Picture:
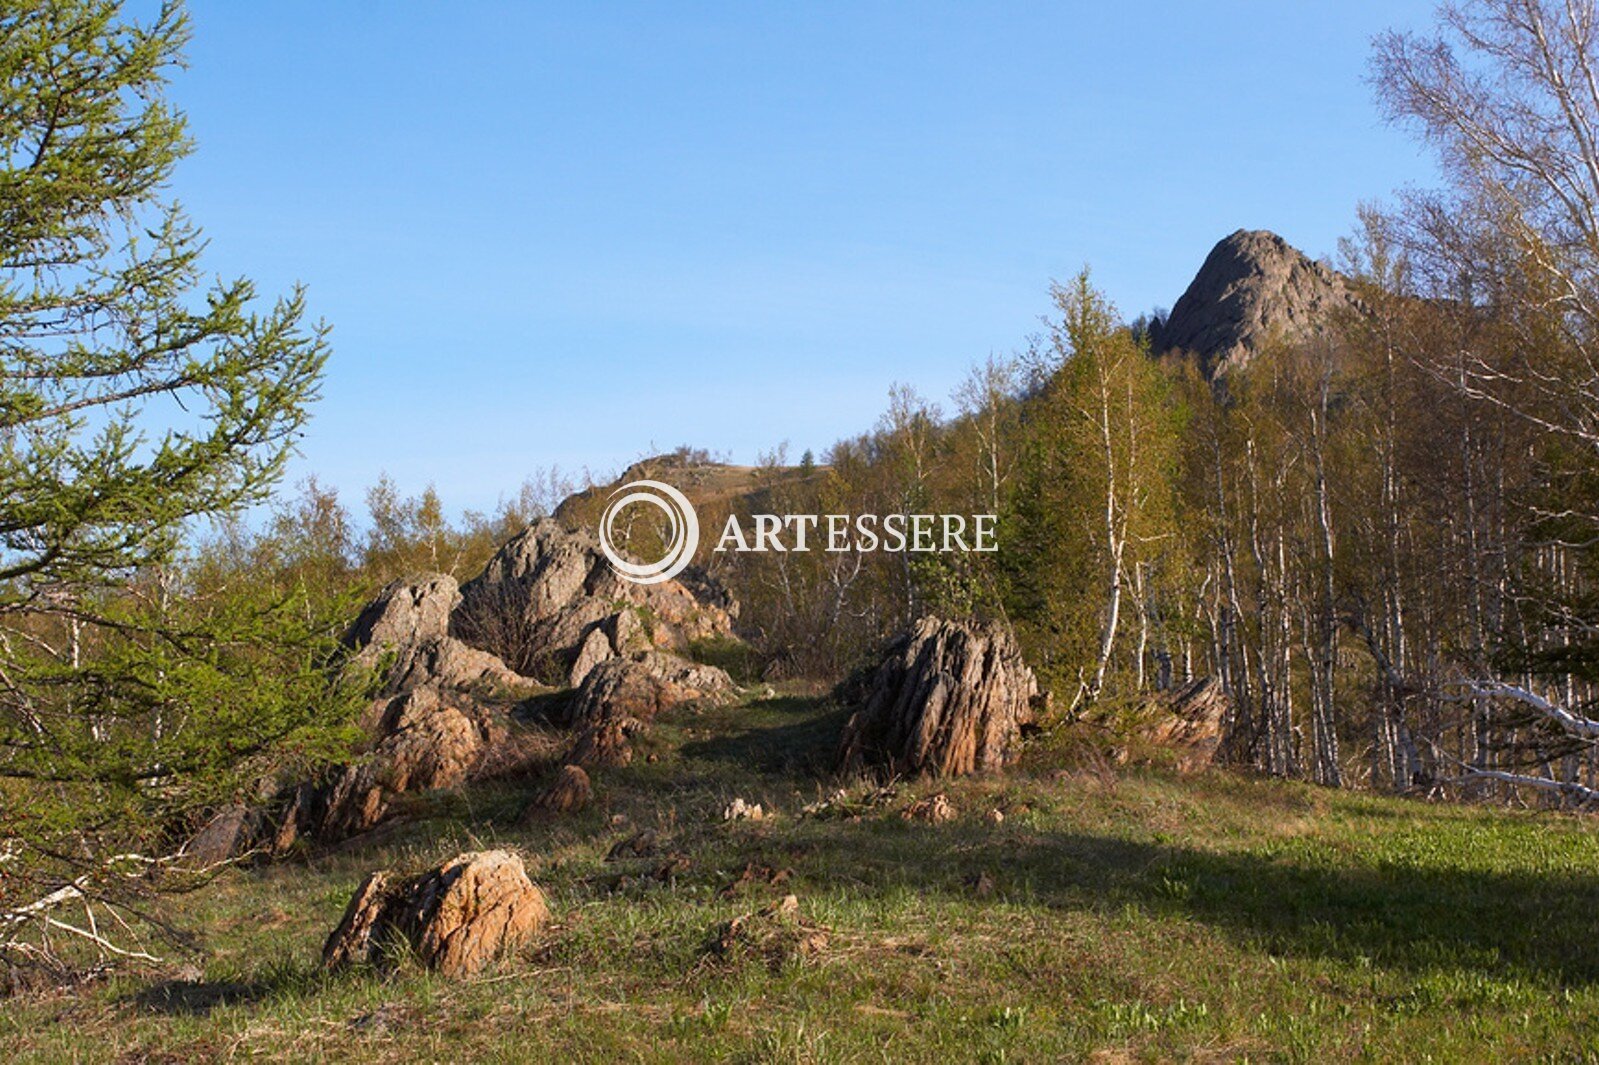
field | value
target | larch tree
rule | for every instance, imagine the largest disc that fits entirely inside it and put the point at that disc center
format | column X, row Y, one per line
column 135, row 401
column 1092, row 534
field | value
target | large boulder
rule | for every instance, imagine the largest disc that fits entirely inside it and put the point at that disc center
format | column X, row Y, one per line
column 425, row 738
column 450, row 663
column 569, row 792
column 405, row 631
column 456, row 918
column 1191, row 720
column 405, row 615
column 618, row 635
column 949, row 698
column 545, row 592
column 620, row 697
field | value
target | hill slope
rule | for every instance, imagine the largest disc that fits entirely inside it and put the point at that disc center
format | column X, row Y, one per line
column 1128, row 913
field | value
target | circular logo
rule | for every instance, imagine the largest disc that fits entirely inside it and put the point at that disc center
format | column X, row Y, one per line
column 682, row 522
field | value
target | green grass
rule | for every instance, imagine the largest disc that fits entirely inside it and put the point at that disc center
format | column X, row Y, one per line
column 1134, row 915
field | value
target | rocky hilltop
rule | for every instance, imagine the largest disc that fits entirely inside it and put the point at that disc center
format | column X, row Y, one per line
column 1254, row 288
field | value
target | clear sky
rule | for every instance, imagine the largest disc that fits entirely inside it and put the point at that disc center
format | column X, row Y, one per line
column 572, row 234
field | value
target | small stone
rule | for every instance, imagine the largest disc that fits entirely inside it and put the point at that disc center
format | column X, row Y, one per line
column 787, row 906
column 935, row 810
column 570, row 792
column 641, row 845
column 739, row 810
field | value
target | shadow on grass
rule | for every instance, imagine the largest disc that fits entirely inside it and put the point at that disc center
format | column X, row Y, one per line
column 1406, row 915
column 787, row 735
column 197, row 999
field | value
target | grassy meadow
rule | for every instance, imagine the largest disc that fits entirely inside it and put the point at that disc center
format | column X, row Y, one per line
column 1111, row 913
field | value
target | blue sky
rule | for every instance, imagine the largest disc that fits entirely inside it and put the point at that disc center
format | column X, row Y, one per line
column 571, row 234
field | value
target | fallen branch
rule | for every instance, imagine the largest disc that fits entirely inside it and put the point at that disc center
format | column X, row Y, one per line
column 1470, row 773
column 16, row 922
column 1575, row 724
column 100, row 941
column 1583, row 795
column 60, row 896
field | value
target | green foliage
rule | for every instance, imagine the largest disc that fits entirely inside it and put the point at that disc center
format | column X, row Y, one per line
column 407, row 535
column 134, row 400
column 1092, row 528
column 738, row 658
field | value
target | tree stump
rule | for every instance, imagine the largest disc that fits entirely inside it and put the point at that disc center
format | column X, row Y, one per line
column 949, row 698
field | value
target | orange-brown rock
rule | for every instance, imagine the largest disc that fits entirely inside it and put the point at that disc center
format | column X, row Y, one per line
column 570, row 792
column 426, row 739
column 456, row 918
column 1192, row 719
column 934, row 810
column 620, row 697
column 949, row 698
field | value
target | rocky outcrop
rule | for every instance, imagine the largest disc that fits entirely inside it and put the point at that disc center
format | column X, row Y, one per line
column 1253, row 289
column 949, row 698
column 427, row 738
column 621, row 696
column 405, row 615
column 645, row 685
column 548, row 598
column 1191, row 719
column 545, row 594
column 455, row 918
column 618, row 635
column 405, row 632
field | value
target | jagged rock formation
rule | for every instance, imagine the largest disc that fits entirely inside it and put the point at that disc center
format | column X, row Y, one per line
column 442, row 707
column 456, row 918
column 949, row 698
column 546, row 593
column 405, row 632
column 1191, row 719
column 443, row 716
column 621, row 696
column 1253, row 288
column 427, row 738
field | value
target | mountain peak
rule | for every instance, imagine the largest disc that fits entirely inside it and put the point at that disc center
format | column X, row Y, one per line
column 1254, row 287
